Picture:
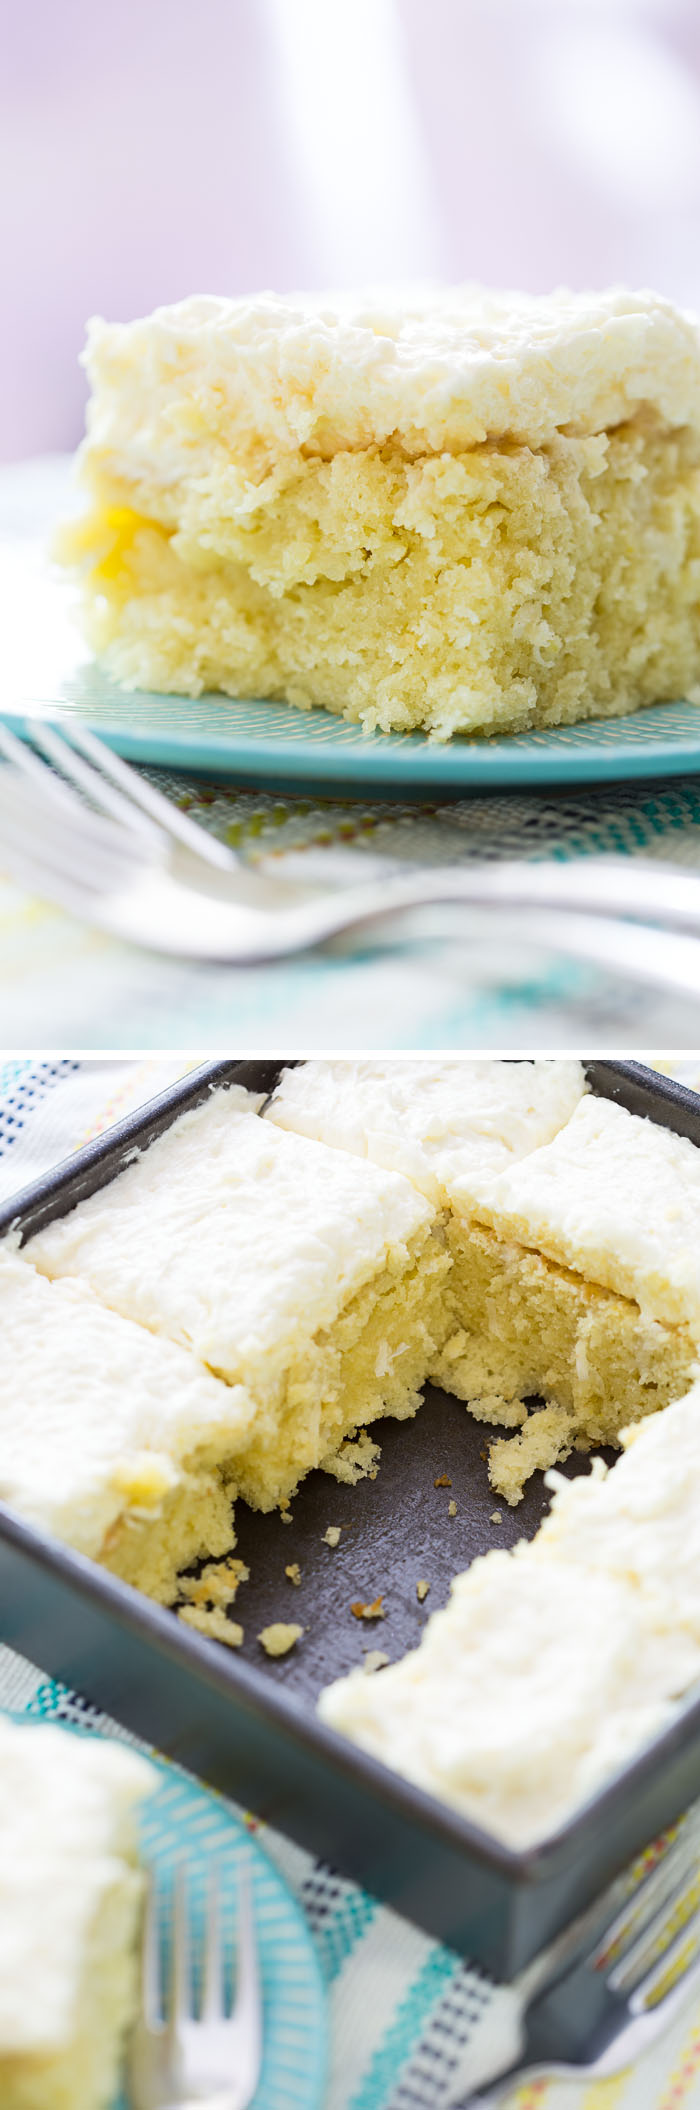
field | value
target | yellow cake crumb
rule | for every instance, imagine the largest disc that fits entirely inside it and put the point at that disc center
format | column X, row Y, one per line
column 331, row 1536
column 279, row 1638
column 293, row 1573
column 355, row 1460
column 216, row 1584
column 213, row 1623
column 368, row 1611
column 422, row 1589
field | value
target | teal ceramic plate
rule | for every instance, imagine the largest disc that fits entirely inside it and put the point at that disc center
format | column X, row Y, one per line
column 45, row 670
column 183, row 1821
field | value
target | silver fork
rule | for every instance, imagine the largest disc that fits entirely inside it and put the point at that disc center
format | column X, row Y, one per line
column 604, row 2010
column 109, row 848
column 212, row 2060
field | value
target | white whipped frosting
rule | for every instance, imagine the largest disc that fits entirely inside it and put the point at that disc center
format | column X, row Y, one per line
column 263, row 377
column 639, row 1521
column 618, row 1199
column 235, row 1239
column 96, row 1416
column 446, row 1125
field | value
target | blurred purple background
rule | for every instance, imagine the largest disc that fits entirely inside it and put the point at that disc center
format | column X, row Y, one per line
column 162, row 147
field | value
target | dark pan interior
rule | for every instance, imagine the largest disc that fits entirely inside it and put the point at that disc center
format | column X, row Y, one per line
column 394, row 1530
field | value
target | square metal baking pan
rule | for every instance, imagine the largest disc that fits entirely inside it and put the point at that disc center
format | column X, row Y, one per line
column 248, row 1725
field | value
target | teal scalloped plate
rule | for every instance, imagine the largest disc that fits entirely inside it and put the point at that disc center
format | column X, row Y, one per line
column 184, row 1821
column 46, row 672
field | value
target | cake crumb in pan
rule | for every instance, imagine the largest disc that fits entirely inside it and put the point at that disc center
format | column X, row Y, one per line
column 213, row 1623
column 279, row 1638
column 368, row 1611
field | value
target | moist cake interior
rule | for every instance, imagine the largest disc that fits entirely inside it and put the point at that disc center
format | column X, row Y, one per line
column 487, row 590
column 528, row 1330
column 373, row 1361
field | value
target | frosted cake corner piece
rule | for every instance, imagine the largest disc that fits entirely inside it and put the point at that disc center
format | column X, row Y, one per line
column 616, row 1197
column 417, row 512
column 577, row 1282
column 447, row 1126
column 125, row 1445
column 588, row 1669
column 70, row 1902
column 293, row 1271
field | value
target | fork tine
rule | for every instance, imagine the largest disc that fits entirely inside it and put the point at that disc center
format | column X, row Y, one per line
column 624, row 1931
column 89, row 780
column 685, row 1945
column 24, row 759
column 247, row 2008
column 54, row 803
column 180, row 1973
column 151, row 1978
column 213, row 1984
column 632, row 1966
column 152, row 801
column 36, row 878
column 91, row 856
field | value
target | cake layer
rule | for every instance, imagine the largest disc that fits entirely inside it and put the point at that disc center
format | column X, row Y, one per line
column 118, row 1442
column 482, row 592
column 292, row 1270
column 618, row 1199
column 446, row 1125
column 527, row 1329
column 70, row 1893
column 470, row 512
column 528, row 1690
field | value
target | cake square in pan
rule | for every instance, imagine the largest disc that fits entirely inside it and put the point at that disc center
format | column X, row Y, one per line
column 293, row 1271
column 123, row 1445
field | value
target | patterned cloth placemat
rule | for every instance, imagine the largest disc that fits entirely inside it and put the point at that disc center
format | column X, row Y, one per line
column 413, row 2026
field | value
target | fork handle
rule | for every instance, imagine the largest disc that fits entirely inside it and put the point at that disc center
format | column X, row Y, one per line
column 602, row 886
column 662, row 959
